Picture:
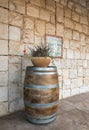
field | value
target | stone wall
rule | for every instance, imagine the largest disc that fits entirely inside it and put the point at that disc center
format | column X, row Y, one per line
column 24, row 23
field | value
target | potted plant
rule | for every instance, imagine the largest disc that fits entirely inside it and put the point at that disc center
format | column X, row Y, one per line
column 40, row 55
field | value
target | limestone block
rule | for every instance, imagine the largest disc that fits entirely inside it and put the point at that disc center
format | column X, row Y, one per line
column 73, row 63
column 68, row 33
column 73, row 73
column 33, row 11
column 70, row 4
column 87, row 4
column 3, row 108
column 29, row 23
column 78, row 8
column 83, row 20
column 3, row 78
column 14, row 107
column 80, row 81
column 65, row 74
column 66, row 43
column 59, row 29
column 86, row 72
column 66, row 93
column 84, row 12
column 77, row 27
column 38, row 40
column 3, row 94
column 87, row 40
column 3, row 15
column 3, row 31
column 15, row 48
column 70, row 54
column 67, row 13
column 67, row 84
column 4, row 3
column 76, row 35
column 74, row 44
column 83, row 3
column 52, row 17
column 87, row 48
column 74, row 84
column 68, row 23
column 39, row 27
column 79, row 63
column 82, row 39
column 50, row 29
column 80, row 72
column 45, row 15
column 75, row 91
column 87, row 56
column 66, row 63
column 14, row 91
column 86, row 81
column 64, row 2
column 15, row 73
column 77, row 54
column 14, row 59
column 14, row 33
column 64, row 53
column 3, row 63
column 75, row 16
column 59, row 14
column 28, row 36
column 84, row 89
column 17, row 5
column 85, row 29
column 3, row 47
column 26, row 62
column 50, row 5
column 85, row 64
column 15, row 19
column 40, row 3
column 83, row 53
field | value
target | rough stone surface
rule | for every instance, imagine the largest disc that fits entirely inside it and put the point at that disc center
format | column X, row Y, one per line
column 3, row 15
column 44, row 15
column 15, row 73
column 3, row 94
column 33, row 11
column 3, row 47
column 14, row 33
column 4, row 3
column 39, row 27
column 3, row 30
column 15, row 19
column 17, row 5
column 50, row 29
column 3, row 78
column 4, row 63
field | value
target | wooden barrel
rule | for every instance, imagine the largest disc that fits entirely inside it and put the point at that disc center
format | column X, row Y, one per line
column 41, row 94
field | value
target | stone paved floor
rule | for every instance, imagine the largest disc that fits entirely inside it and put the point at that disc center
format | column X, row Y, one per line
column 73, row 114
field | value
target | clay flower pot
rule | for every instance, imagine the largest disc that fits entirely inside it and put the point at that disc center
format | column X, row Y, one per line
column 41, row 61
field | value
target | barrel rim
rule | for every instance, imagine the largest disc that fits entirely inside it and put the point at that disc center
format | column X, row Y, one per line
column 36, row 105
column 41, row 86
column 48, row 68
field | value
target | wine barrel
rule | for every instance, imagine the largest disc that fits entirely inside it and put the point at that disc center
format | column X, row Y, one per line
column 41, row 94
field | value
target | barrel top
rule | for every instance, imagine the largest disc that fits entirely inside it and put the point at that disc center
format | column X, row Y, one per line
column 49, row 68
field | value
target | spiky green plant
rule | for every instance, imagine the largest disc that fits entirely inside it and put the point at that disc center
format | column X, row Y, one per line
column 40, row 51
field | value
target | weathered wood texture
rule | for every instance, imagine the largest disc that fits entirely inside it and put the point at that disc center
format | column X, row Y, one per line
column 41, row 95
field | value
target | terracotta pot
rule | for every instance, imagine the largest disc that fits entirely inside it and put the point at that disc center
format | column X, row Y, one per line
column 41, row 61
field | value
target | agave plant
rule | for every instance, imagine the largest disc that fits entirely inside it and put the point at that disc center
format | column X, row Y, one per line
column 40, row 51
